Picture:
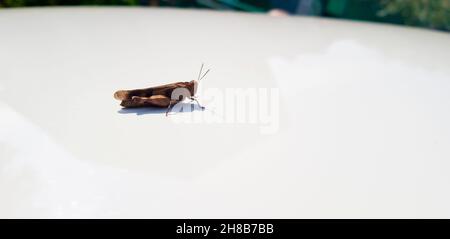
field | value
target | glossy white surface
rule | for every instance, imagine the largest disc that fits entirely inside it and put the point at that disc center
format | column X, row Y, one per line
column 363, row 122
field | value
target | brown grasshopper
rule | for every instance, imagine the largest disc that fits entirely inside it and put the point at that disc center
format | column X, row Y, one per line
column 164, row 96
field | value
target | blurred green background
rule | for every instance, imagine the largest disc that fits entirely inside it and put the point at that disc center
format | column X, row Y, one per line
column 433, row 14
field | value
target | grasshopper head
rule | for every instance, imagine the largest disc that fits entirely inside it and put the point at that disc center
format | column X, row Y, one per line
column 193, row 87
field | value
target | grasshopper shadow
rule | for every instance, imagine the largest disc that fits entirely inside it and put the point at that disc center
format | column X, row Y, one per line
column 184, row 108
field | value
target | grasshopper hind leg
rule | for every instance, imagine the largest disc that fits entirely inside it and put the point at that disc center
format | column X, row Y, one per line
column 169, row 108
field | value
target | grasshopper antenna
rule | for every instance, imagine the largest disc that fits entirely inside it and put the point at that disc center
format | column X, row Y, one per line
column 200, row 73
column 204, row 75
